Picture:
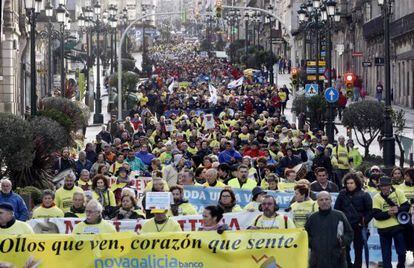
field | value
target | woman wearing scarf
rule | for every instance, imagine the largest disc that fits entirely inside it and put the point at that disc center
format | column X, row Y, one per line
column 103, row 194
column 123, row 180
column 128, row 209
column 227, row 201
column 48, row 209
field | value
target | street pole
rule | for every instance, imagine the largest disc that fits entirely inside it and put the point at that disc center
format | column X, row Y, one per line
column 112, row 51
column 121, row 41
column 330, row 124
column 98, row 116
column 62, row 60
column 388, row 140
column 49, row 52
column 33, row 94
column 317, row 49
column 88, row 66
column 271, row 80
column 246, row 38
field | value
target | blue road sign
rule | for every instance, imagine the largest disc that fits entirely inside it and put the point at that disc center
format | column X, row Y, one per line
column 331, row 95
column 311, row 90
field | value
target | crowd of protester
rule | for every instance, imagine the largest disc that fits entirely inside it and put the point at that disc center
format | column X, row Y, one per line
column 251, row 145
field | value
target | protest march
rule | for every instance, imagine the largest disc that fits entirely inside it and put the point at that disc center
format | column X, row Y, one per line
column 206, row 171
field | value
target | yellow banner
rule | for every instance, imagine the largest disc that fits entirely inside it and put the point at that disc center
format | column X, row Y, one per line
column 252, row 248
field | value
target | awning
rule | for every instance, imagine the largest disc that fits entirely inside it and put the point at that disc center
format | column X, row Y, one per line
column 409, row 55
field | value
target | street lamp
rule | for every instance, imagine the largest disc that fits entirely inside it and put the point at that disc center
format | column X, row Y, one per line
column 321, row 16
column 246, row 34
column 271, row 73
column 388, row 140
column 61, row 18
column 49, row 14
column 98, row 116
column 33, row 8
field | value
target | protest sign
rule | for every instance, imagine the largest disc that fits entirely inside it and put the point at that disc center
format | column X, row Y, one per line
column 258, row 248
column 158, row 200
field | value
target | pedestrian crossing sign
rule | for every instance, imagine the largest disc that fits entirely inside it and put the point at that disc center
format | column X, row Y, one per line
column 311, row 90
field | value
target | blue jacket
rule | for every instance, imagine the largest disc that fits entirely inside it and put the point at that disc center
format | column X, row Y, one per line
column 225, row 156
column 20, row 210
column 145, row 157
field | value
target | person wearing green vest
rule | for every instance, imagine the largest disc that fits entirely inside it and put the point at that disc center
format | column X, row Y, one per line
column 341, row 160
column 354, row 154
column 386, row 206
column 242, row 181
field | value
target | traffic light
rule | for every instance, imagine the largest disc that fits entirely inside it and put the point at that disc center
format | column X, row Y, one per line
column 349, row 84
column 295, row 73
column 219, row 8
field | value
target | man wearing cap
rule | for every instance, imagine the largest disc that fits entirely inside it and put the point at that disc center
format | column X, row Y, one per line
column 257, row 198
column 386, row 206
column 161, row 223
column 7, row 195
column 9, row 225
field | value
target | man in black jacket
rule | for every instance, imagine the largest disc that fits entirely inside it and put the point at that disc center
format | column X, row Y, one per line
column 357, row 207
column 329, row 234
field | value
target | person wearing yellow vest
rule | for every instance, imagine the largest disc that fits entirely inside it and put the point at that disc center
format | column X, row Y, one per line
column 257, row 198
column 242, row 181
column 270, row 219
column 385, row 209
column 341, row 159
column 303, row 206
column 47, row 209
column 64, row 195
column 407, row 187
column 180, row 205
column 94, row 224
column 161, row 223
column 354, row 154
column 77, row 210
column 8, row 223
column 211, row 179
column 102, row 191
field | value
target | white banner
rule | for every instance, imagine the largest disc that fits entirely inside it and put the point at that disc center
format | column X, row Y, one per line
column 236, row 221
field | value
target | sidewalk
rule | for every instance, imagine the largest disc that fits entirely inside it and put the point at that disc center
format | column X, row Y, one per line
column 374, row 148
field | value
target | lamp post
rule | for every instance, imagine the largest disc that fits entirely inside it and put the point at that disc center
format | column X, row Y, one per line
column 388, row 140
column 61, row 18
column 271, row 73
column 246, row 34
column 49, row 14
column 328, row 15
column 113, row 24
column 321, row 16
column 98, row 116
column 33, row 8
